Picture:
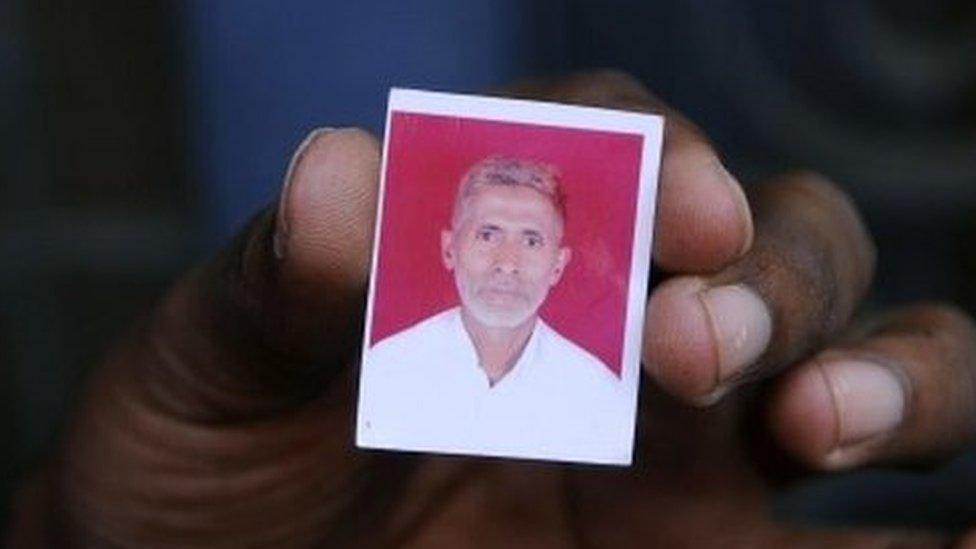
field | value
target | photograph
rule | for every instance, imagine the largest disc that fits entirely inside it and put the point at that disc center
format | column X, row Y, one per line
column 509, row 278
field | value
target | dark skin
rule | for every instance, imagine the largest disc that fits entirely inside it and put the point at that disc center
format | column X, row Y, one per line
column 225, row 420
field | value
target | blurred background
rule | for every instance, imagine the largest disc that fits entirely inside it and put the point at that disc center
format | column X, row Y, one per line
column 137, row 136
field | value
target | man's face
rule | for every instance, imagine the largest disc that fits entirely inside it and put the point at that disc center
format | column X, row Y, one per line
column 505, row 251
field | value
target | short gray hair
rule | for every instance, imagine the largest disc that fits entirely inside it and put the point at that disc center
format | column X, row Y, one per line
column 497, row 170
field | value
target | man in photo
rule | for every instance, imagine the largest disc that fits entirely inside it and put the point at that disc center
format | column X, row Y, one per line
column 490, row 373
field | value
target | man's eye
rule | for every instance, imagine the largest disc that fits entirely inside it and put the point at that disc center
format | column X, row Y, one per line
column 484, row 235
column 533, row 241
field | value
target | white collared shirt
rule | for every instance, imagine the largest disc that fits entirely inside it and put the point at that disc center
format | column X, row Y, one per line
column 423, row 389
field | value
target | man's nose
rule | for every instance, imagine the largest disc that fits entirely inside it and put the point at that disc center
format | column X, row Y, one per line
column 506, row 258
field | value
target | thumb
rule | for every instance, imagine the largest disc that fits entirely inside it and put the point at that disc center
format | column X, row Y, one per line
column 203, row 425
column 266, row 323
column 324, row 222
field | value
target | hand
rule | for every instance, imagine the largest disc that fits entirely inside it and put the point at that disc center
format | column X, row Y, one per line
column 225, row 420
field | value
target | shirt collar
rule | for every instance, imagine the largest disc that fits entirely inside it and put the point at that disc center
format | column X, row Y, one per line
column 523, row 365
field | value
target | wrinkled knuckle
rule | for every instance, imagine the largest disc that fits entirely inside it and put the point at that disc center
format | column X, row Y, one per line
column 807, row 263
column 836, row 216
column 609, row 88
column 806, row 288
column 820, row 191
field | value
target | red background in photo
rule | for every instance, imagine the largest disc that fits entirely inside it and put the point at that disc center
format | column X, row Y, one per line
column 600, row 171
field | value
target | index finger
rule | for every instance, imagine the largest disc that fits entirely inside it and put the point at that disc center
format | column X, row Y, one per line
column 703, row 218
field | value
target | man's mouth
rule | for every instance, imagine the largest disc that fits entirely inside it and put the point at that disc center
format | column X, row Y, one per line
column 502, row 294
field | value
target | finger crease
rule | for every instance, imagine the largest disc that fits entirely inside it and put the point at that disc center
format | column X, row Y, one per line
column 834, row 403
column 716, row 348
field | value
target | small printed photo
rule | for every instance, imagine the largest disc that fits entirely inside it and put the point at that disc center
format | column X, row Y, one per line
column 509, row 279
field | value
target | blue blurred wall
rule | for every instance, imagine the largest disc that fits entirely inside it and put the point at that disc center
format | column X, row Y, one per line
column 260, row 75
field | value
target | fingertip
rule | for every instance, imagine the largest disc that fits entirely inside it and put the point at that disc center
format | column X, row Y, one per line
column 838, row 412
column 704, row 219
column 328, row 205
column 679, row 350
column 802, row 415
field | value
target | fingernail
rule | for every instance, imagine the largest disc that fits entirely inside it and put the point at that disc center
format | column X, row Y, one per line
column 281, row 222
column 711, row 398
column 741, row 327
column 869, row 400
column 739, row 196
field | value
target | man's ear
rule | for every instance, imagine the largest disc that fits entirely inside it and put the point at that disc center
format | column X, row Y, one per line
column 562, row 259
column 447, row 249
